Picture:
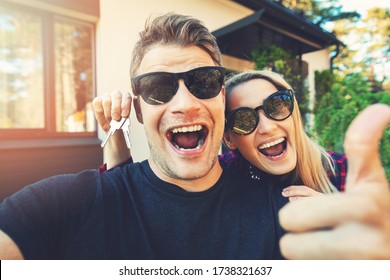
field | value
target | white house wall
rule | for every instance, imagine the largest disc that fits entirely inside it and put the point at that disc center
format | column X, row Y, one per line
column 317, row 61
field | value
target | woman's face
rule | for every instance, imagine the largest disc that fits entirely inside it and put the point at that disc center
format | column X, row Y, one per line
column 271, row 146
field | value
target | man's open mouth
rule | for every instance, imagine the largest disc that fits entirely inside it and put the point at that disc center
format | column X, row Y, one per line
column 274, row 148
column 188, row 137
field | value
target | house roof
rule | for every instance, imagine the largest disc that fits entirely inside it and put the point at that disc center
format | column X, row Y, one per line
column 273, row 23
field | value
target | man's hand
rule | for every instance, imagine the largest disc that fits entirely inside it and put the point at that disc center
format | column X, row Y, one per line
column 350, row 225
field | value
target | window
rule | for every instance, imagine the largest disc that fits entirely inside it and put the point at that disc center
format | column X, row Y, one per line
column 74, row 76
column 46, row 74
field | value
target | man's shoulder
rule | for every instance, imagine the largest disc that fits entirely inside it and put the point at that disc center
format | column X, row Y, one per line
column 63, row 185
column 84, row 176
column 130, row 170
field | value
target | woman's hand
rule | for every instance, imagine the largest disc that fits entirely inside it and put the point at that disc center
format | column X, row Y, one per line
column 107, row 107
column 113, row 106
column 299, row 192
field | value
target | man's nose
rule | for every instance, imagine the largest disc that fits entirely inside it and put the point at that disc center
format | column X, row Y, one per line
column 184, row 100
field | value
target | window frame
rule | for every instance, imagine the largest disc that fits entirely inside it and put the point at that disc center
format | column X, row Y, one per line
column 49, row 83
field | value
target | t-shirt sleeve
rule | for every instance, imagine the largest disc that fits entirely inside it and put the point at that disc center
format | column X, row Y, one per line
column 44, row 217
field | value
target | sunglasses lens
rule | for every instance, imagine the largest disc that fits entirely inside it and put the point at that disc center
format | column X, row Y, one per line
column 204, row 83
column 279, row 106
column 157, row 88
column 160, row 87
column 243, row 121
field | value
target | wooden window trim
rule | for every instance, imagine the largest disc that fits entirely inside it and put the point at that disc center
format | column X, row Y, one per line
column 87, row 10
column 28, row 144
column 48, row 19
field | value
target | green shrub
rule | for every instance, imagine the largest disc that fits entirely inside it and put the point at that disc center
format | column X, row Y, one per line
column 287, row 65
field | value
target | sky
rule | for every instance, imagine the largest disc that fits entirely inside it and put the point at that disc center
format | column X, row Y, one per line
column 362, row 6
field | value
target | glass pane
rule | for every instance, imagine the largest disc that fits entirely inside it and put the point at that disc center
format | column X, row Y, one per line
column 74, row 76
column 21, row 70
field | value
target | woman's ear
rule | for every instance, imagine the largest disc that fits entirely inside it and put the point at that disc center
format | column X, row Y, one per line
column 137, row 108
column 228, row 141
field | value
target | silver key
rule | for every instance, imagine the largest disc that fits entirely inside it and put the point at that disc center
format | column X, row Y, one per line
column 126, row 132
column 114, row 125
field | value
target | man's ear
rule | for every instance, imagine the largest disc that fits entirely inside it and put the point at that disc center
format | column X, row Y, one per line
column 227, row 141
column 137, row 107
column 223, row 92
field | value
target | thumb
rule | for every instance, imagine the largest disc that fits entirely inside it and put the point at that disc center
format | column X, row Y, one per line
column 362, row 146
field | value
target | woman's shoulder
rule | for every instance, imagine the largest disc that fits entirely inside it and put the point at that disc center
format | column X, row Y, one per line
column 340, row 166
column 231, row 160
column 338, row 158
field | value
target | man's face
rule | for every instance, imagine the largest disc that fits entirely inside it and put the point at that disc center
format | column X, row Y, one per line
column 184, row 134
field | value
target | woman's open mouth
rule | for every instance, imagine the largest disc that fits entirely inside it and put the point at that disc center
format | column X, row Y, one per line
column 275, row 148
column 188, row 137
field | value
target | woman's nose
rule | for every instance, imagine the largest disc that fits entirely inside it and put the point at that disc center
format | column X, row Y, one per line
column 265, row 125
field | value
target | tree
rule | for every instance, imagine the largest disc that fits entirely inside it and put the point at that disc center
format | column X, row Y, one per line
column 320, row 11
column 368, row 47
column 377, row 32
column 323, row 82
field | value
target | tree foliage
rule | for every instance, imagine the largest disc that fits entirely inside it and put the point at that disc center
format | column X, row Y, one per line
column 340, row 105
column 367, row 39
column 367, row 49
column 320, row 11
column 323, row 81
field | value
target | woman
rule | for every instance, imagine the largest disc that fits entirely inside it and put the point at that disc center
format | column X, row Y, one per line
column 264, row 132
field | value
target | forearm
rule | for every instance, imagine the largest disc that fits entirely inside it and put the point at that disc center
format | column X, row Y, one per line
column 8, row 249
column 116, row 152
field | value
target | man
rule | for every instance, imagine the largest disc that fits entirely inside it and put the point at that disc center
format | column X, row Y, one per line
column 179, row 204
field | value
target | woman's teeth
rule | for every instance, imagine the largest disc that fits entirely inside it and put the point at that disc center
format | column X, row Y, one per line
column 274, row 149
column 270, row 144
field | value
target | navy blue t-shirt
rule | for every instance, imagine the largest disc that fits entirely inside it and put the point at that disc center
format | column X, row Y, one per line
column 129, row 213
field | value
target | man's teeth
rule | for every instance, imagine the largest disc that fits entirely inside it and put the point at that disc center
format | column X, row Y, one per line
column 187, row 129
column 270, row 144
column 200, row 143
column 184, row 129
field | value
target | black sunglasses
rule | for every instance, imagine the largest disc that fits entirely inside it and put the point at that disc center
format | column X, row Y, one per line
column 160, row 87
column 278, row 106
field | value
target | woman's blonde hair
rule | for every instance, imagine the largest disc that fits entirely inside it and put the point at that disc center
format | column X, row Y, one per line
column 313, row 162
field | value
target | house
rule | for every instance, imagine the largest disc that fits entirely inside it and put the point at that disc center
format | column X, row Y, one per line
column 56, row 55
